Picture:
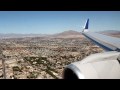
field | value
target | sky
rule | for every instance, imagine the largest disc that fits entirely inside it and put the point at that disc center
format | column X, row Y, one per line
column 51, row 22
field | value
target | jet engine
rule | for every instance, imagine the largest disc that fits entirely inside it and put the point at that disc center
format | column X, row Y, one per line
column 104, row 65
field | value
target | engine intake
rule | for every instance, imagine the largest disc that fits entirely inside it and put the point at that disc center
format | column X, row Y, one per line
column 96, row 66
column 72, row 72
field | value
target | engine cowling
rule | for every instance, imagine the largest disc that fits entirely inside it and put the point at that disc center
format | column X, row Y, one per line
column 96, row 66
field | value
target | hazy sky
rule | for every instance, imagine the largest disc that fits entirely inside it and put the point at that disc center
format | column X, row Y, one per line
column 49, row 22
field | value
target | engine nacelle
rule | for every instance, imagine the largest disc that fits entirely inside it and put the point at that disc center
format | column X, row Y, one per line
column 96, row 66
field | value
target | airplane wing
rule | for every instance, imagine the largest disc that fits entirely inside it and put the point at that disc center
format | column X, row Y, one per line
column 108, row 43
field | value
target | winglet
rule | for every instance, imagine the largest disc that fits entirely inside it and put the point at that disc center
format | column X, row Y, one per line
column 86, row 26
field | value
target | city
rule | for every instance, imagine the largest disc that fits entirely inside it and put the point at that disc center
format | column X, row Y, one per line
column 43, row 57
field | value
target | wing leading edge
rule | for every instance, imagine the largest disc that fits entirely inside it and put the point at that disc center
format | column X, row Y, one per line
column 106, row 42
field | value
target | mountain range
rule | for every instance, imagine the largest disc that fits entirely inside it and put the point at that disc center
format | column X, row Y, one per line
column 65, row 34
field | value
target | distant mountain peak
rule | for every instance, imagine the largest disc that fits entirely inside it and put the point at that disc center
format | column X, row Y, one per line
column 114, row 33
column 68, row 34
column 110, row 31
column 72, row 32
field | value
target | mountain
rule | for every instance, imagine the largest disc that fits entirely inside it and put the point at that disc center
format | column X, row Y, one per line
column 113, row 33
column 12, row 35
column 110, row 31
column 68, row 34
